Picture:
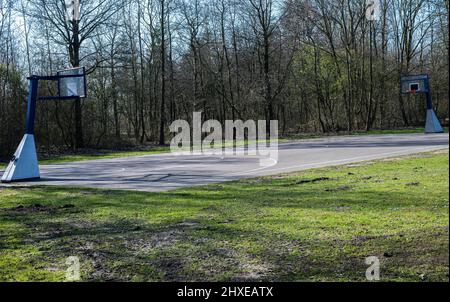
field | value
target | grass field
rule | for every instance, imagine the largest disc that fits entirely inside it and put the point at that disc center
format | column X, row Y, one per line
column 317, row 225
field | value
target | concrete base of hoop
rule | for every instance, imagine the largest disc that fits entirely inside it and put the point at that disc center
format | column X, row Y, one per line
column 24, row 165
column 433, row 125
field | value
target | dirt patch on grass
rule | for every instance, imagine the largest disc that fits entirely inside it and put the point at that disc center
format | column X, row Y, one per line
column 99, row 261
column 178, row 253
column 252, row 272
column 310, row 181
column 188, row 224
column 338, row 189
column 143, row 243
column 425, row 251
column 37, row 208
column 247, row 267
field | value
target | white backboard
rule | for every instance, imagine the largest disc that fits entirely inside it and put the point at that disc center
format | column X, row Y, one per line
column 73, row 86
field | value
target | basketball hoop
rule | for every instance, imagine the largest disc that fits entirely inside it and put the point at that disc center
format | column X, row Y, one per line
column 420, row 84
column 414, row 87
column 71, row 85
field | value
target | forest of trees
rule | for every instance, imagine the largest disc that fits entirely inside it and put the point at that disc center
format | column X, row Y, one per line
column 314, row 65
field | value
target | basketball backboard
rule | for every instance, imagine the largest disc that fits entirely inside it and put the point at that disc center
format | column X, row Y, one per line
column 415, row 84
column 72, row 82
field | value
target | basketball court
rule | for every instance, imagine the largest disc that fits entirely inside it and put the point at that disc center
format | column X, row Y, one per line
column 155, row 173
column 164, row 172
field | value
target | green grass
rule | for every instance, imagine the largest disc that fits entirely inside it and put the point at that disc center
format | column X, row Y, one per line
column 317, row 225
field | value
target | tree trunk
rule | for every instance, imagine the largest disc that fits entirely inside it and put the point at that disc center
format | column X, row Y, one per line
column 162, row 122
column 75, row 59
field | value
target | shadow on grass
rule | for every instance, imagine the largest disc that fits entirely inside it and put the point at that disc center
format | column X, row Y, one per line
column 116, row 243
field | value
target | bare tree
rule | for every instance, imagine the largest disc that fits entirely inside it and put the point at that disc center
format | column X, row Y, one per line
column 94, row 16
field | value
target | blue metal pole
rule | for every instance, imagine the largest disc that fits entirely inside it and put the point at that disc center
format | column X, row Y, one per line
column 429, row 101
column 32, row 98
column 428, row 94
